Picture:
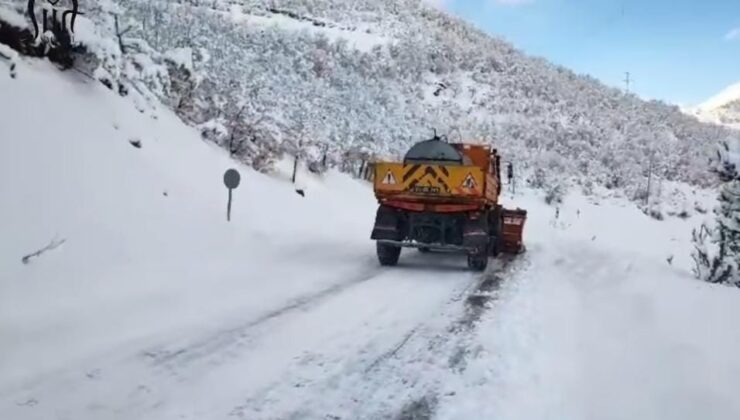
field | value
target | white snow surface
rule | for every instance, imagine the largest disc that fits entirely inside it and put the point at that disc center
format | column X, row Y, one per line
column 729, row 94
column 8, row 53
column 12, row 17
column 722, row 108
column 603, row 327
column 362, row 40
column 182, row 57
column 156, row 308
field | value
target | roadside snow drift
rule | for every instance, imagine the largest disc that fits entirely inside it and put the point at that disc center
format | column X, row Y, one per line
column 605, row 322
column 148, row 249
column 152, row 306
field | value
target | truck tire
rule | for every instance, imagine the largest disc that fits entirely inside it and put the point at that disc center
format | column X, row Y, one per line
column 388, row 254
column 478, row 261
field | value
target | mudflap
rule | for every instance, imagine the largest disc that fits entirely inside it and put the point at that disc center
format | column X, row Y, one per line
column 477, row 239
column 476, row 235
column 388, row 224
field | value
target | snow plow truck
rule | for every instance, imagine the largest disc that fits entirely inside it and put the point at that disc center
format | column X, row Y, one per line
column 444, row 197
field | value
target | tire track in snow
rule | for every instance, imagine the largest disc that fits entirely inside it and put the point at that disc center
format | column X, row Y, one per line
column 453, row 346
column 144, row 387
column 250, row 356
column 318, row 377
column 476, row 305
column 456, row 345
column 219, row 343
column 365, row 386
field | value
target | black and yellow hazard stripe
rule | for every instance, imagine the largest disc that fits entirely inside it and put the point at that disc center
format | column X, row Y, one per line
column 409, row 172
column 436, row 176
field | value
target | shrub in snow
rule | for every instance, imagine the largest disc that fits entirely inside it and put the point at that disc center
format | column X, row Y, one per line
column 538, row 179
column 554, row 194
column 11, row 56
column 656, row 214
column 717, row 245
column 699, row 208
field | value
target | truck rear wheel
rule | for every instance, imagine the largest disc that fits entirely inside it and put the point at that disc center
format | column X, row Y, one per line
column 478, row 261
column 388, row 254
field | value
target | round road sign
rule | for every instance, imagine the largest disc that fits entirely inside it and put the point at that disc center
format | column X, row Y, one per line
column 232, row 179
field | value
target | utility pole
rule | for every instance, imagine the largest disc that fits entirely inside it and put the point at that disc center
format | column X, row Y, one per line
column 649, row 180
column 627, row 81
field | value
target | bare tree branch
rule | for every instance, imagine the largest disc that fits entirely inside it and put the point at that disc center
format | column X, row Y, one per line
column 54, row 244
column 120, row 34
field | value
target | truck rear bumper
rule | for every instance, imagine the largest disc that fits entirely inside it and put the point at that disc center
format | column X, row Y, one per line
column 410, row 244
column 452, row 231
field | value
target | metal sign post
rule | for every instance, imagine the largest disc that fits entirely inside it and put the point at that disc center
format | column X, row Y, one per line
column 510, row 176
column 231, row 180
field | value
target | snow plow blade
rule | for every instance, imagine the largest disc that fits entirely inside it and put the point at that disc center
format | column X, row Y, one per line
column 512, row 231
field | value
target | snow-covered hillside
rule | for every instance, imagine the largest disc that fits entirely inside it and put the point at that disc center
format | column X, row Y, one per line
column 145, row 228
column 723, row 108
column 154, row 307
column 355, row 79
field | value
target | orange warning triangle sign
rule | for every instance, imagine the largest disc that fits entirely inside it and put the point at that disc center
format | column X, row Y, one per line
column 469, row 182
column 389, row 178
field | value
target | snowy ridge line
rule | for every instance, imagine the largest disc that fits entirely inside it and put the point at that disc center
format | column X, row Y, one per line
column 222, row 341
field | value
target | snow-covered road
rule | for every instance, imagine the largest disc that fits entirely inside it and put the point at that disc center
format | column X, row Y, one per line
column 156, row 308
column 360, row 348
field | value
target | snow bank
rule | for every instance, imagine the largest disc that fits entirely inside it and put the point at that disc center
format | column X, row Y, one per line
column 11, row 56
column 148, row 252
column 12, row 17
column 603, row 320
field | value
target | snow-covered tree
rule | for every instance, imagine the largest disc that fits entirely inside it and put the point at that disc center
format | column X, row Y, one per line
column 377, row 75
column 717, row 245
